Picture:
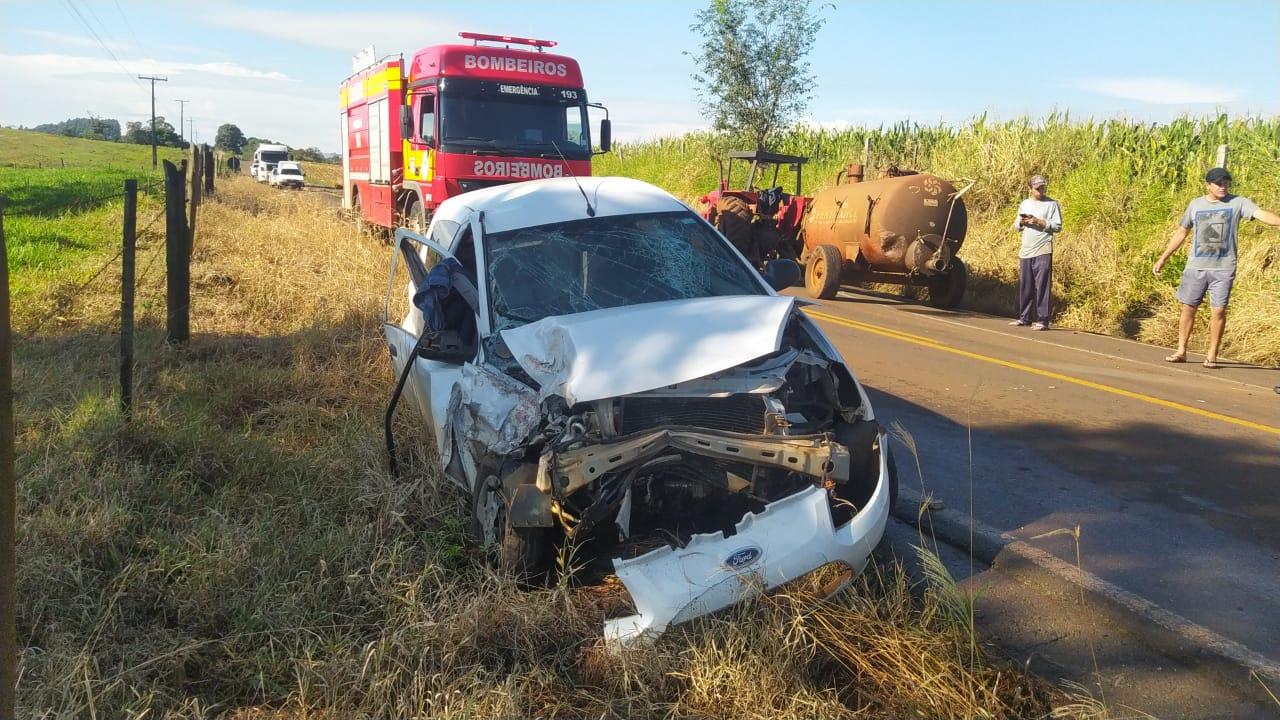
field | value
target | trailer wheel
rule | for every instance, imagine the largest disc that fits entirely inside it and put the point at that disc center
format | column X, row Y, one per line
column 946, row 291
column 733, row 220
column 822, row 272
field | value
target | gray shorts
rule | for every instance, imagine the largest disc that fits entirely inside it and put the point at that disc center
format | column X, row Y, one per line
column 1195, row 281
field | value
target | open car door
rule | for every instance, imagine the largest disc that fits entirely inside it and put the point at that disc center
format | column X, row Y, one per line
column 430, row 324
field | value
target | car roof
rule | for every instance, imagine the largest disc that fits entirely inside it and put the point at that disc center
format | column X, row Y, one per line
column 541, row 202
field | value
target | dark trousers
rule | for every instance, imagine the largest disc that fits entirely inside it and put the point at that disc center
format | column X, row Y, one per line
column 1035, row 281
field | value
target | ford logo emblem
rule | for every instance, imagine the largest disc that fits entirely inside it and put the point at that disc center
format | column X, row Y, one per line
column 742, row 558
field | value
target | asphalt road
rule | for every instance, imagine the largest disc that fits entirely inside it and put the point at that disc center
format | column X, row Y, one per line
column 1171, row 471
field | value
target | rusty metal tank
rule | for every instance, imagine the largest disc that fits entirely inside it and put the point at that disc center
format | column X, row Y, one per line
column 893, row 224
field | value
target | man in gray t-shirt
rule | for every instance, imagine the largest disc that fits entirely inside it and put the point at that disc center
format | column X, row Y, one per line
column 1211, row 265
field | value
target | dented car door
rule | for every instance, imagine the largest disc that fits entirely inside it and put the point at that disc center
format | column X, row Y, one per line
column 435, row 369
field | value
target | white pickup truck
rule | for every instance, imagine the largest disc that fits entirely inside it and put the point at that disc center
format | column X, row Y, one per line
column 287, row 174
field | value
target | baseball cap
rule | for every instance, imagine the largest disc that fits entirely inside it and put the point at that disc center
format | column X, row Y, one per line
column 1037, row 181
column 1217, row 175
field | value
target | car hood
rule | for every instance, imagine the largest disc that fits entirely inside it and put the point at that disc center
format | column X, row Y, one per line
column 619, row 351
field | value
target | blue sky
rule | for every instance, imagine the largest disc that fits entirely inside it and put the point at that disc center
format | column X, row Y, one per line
column 274, row 68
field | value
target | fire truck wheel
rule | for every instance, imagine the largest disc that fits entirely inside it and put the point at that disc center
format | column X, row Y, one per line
column 357, row 209
column 947, row 290
column 416, row 218
column 733, row 220
column 822, row 272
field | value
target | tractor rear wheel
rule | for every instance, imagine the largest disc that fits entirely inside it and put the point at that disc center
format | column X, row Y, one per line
column 822, row 272
column 733, row 220
column 946, row 291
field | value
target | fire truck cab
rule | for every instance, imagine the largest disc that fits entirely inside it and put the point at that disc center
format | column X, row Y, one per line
column 456, row 118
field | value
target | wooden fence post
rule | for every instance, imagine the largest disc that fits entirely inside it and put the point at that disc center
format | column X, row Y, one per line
column 127, row 258
column 1220, row 159
column 177, row 255
column 8, row 505
column 197, row 182
column 209, row 167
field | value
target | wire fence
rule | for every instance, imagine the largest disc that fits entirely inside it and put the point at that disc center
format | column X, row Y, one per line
column 78, row 203
column 183, row 187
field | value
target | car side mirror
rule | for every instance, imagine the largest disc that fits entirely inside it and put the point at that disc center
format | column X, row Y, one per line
column 606, row 135
column 782, row 273
column 406, row 122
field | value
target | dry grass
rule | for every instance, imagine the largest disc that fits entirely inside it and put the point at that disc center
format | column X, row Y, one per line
column 325, row 174
column 239, row 550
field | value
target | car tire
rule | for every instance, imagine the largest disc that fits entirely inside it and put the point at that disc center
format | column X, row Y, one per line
column 947, row 290
column 822, row 272
column 522, row 551
column 893, row 478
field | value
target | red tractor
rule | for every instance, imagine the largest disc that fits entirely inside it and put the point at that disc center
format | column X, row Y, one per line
column 762, row 224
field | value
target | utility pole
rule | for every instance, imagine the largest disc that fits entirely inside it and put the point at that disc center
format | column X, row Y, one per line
column 153, row 80
column 182, row 108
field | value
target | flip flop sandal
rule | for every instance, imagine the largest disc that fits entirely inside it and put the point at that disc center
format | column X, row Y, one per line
column 1211, row 365
column 1176, row 359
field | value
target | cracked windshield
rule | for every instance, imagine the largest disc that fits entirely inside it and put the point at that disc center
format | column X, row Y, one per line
column 584, row 265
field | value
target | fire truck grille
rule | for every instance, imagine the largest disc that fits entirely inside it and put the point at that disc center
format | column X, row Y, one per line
column 737, row 413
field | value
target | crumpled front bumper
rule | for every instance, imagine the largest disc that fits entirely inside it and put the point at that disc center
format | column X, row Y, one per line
column 790, row 538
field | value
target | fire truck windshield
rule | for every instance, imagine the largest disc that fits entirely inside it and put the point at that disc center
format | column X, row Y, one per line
column 481, row 117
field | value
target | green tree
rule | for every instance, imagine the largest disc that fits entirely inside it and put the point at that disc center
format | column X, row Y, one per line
column 753, row 70
column 229, row 138
column 140, row 133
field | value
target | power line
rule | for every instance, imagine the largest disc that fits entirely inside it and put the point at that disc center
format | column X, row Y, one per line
column 80, row 16
column 136, row 42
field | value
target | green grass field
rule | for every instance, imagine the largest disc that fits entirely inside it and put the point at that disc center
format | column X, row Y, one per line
column 63, row 210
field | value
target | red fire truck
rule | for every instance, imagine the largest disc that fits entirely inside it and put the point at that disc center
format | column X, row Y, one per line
column 456, row 118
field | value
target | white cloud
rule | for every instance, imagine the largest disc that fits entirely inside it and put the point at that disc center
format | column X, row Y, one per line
column 345, row 31
column 65, row 39
column 1157, row 90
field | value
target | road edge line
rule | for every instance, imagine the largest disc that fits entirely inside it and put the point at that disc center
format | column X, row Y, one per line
column 1181, row 637
column 1033, row 370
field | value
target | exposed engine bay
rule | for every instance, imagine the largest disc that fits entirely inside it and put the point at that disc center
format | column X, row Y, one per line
column 617, row 478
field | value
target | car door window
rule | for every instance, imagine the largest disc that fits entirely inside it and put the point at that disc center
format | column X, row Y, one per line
column 430, row 291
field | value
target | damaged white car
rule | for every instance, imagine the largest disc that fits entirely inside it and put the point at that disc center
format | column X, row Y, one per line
column 603, row 371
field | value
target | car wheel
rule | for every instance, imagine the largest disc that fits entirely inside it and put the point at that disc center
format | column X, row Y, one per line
column 822, row 272
column 893, row 478
column 525, row 552
column 947, row 290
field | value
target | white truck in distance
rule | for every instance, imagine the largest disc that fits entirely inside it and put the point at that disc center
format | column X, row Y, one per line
column 266, row 157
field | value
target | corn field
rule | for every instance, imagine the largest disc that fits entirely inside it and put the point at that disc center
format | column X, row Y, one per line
column 1122, row 185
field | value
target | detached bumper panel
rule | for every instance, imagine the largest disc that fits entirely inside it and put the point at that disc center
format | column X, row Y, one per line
column 789, row 539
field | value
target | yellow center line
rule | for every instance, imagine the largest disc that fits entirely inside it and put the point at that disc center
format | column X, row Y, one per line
column 926, row 342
